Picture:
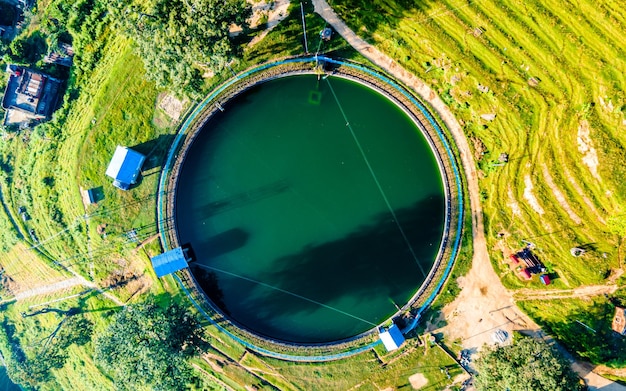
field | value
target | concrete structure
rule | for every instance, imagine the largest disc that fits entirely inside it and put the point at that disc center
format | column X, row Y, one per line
column 125, row 167
column 169, row 262
column 392, row 338
column 64, row 55
column 30, row 96
column 619, row 321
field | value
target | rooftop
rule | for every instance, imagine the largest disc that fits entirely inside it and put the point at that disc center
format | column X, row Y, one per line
column 125, row 167
column 29, row 95
column 169, row 262
column 392, row 337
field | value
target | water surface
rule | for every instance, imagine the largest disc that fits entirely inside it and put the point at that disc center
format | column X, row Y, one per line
column 314, row 208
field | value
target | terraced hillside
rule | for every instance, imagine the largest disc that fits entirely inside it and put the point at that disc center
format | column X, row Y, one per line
column 553, row 76
column 539, row 81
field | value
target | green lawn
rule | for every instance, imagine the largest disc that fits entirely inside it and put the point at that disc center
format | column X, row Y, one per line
column 553, row 74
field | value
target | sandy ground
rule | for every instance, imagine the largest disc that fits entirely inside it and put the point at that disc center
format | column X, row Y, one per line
column 585, row 147
column 418, row 381
column 483, row 305
column 171, row 105
column 530, row 196
column 275, row 12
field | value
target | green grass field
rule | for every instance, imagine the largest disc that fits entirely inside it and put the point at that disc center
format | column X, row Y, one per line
column 554, row 79
column 553, row 75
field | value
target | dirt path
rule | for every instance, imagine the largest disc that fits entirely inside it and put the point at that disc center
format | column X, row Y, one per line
column 50, row 288
column 483, row 305
column 62, row 285
column 577, row 293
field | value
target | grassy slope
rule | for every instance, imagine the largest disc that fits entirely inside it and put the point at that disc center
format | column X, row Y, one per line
column 575, row 52
column 117, row 106
column 536, row 126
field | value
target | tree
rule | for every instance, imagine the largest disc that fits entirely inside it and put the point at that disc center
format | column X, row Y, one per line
column 527, row 365
column 146, row 346
column 28, row 49
column 178, row 39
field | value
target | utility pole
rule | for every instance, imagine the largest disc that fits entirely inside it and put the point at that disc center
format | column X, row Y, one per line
column 306, row 45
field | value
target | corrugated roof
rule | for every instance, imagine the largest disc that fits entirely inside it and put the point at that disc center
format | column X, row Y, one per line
column 125, row 165
column 169, row 262
column 392, row 338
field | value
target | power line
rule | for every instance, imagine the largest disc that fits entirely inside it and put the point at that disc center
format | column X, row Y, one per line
column 285, row 291
column 380, row 188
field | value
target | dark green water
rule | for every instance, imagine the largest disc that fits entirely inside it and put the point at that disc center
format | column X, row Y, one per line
column 5, row 383
column 293, row 237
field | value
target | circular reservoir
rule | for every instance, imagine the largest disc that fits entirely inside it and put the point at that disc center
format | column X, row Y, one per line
column 315, row 208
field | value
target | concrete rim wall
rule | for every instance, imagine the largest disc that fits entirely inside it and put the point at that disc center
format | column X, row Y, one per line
column 400, row 96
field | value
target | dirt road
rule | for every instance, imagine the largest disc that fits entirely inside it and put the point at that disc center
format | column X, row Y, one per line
column 483, row 305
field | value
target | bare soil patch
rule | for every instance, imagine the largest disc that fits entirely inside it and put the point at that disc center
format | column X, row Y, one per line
column 418, row 381
column 530, row 196
column 585, row 147
column 272, row 12
column 171, row 105
column 515, row 209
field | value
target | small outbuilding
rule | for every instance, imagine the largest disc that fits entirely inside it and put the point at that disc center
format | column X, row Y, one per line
column 392, row 337
column 125, row 167
column 619, row 321
column 525, row 273
column 545, row 279
column 169, row 262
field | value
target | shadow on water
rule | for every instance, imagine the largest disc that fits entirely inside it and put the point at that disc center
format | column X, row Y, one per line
column 373, row 260
column 225, row 242
column 370, row 263
column 210, row 285
column 249, row 197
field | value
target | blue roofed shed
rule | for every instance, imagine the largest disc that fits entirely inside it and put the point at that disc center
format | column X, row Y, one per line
column 392, row 337
column 125, row 167
column 169, row 262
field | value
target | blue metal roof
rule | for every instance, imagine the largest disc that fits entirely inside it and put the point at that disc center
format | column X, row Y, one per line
column 125, row 167
column 392, row 338
column 169, row 262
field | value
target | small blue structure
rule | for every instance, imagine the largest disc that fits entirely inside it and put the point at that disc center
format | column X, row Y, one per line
column 392, row 337
column 169, row 262
column 326, row 34
column 125, row 167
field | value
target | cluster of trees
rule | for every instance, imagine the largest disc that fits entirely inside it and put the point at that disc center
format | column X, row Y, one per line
column 32, row 367
column 528, row 364
column 147, row 346
column 180, row 39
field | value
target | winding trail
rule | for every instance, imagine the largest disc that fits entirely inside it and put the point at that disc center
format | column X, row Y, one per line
column 484, row 304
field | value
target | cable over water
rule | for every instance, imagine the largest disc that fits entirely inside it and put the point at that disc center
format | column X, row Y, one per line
column 380, row 188
column 285, row 291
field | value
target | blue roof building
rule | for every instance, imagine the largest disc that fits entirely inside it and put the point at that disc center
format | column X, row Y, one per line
column 169, row 262
column 392, row 337
column 125, row 167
